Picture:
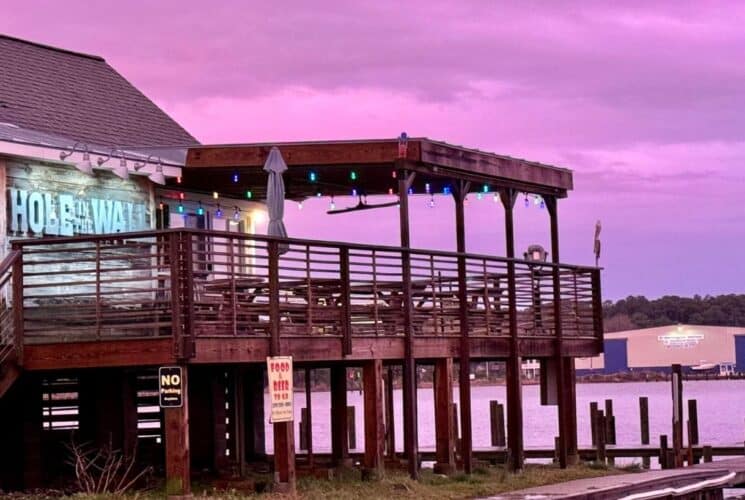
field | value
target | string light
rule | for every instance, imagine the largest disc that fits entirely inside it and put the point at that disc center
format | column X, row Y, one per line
column 496, row 197
column 300, row 205
column 394, row 174
column 427, row 188
column 485, row 188
column 390, row 191
column 354, row 192
column 353, row 175
column 249, row 195
column 527, row 201
column 479, row 196
column 215, row 195
column 312, row 176
column 536, row 200
column 200, row 209
column 236, row 214
column 160, row 205
column 180, row 208
column 235, row 177
column 411, row 191
column 431, row 201
column 218, row 212
column 446, row 190
column 178, row 180
column 332, row 204
column 543, row 204
column 181, row 196
column 318, row 193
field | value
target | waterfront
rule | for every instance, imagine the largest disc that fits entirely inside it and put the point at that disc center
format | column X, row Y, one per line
column 721, row 417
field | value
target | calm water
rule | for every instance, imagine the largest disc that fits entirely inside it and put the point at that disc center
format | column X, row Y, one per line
column 721, row 413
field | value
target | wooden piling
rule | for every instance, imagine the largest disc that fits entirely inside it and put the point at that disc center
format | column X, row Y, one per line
column 677, row 394
column 610, row 426
column 339, row 418
column 708, row 455
column 307, row 418
column 644, row 426
column 301, row 427
column 600, row 427
column 693, row 419
column 390, row 431
column 496, row 414
column 444, row 431
column 178, row 459
column 372, row 374
column 351, row 428
column 663, row 453
column 593, row 421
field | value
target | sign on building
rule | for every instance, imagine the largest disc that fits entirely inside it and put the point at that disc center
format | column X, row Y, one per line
column 170, row 386
column 279, row 370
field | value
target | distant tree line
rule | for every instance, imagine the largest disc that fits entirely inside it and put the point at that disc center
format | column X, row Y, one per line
column 639, row 312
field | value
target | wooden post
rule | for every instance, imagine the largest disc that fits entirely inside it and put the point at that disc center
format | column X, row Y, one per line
column 663, row 453
column 464, row 370
column 301, row 428
column 411, row 440
column 593, row 421
column 693, row 418
column 274, row 319
column 692, row 430
column 308, row 417
column 178, row 458
column 644, row 426
column 677, row 392
column 513, row 365
column 390, row 428
column 339, row 419
column 444, row 431
column 284, row 457
column 567, row 449
column 31, row 396
column 600, row 453
column 708, row 454
column 254, row 438
column 610, row 426
column 351, row 428
column 372, row 378
column 18, row 320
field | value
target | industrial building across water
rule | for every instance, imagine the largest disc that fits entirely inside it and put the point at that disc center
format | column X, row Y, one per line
column 718, row 349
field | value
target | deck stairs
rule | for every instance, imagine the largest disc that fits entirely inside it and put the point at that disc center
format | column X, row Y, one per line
column 9, row 368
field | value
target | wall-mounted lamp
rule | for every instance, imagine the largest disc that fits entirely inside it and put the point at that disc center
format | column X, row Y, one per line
column 157, row 177
column 85, row 165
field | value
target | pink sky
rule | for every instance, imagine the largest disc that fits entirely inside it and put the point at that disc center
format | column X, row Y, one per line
column 645, row 102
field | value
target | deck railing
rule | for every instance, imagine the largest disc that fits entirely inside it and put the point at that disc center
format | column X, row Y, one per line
column 9, row 343
column 231, row 284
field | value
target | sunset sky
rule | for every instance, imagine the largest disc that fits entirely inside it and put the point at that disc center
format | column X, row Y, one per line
column 645, row 102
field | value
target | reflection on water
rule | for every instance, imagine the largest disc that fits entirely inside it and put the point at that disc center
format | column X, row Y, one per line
column 721, row 413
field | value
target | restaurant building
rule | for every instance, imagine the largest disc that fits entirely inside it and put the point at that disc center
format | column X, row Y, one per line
column 129, row 247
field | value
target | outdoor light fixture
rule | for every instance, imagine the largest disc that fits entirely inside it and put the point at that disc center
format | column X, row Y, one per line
column 157, row 177
column 121, row 170
column 84, row 166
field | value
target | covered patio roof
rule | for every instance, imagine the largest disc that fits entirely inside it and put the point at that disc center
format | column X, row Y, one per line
column 364, row 167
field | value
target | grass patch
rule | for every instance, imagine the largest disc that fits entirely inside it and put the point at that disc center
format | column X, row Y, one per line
column 349, row 485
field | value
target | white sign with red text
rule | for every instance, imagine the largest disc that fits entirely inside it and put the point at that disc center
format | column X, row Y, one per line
column 279, row 370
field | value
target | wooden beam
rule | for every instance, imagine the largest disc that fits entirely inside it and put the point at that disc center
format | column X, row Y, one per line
column 390, row 427
column 372, row 374
column 514, row 362
column 139, row 352
column 464, row 376
column 411, row 446
column 444, row 422
column 309, row 417
column 178, row 458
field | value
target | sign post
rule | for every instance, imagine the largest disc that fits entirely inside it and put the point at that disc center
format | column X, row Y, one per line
column 279, row 370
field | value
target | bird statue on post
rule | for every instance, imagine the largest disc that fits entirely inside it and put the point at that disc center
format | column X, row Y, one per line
column 598, row 228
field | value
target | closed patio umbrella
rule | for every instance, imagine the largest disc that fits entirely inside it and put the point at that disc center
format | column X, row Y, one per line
column 275, row 196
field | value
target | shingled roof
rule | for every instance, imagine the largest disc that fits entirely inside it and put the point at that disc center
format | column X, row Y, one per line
column 79, row 96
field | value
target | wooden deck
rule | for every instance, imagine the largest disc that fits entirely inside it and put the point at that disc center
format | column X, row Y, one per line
column 213, row 297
